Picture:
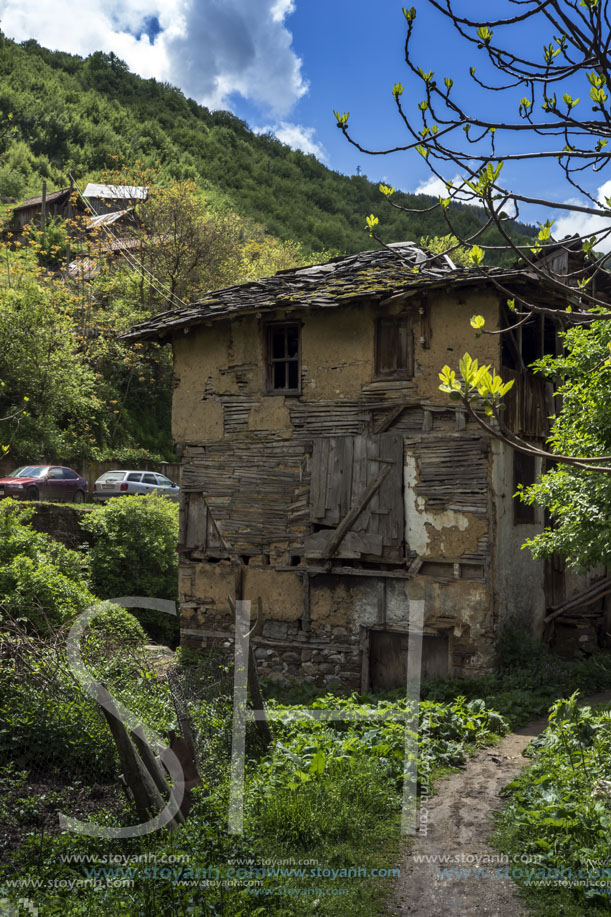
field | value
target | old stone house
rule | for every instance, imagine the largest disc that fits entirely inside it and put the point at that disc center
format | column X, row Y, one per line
column 324, row 471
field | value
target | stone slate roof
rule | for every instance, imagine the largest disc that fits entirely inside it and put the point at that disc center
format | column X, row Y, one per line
column 373, row 275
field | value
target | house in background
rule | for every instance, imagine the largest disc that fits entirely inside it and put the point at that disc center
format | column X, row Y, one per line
column 56, row 204
column 104, row 199
column 323, row 470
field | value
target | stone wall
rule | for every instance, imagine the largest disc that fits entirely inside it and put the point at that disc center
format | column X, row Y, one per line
column 62, row 521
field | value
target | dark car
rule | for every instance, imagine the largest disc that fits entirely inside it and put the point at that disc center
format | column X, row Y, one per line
column 44, row 482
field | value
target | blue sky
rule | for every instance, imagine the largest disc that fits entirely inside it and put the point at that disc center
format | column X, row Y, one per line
column 284, row 65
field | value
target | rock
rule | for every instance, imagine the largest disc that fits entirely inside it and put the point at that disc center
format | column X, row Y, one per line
column 275, row 629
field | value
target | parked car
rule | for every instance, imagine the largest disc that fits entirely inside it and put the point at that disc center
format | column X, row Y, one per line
column 44, row 482
column 124, row 483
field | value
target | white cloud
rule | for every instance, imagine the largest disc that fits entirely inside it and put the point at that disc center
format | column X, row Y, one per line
column 585, row 224
column 436, row 187
column 209, row 48
column 296, row 136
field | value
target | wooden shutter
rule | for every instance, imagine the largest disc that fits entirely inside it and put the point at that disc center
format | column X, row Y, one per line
column 346, row 471
column 197, row 531
column 395, row 346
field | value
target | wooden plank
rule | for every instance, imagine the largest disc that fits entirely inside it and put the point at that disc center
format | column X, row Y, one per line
column 153, row 766
column 346, row 523
column 147, row 799
column 319, row 477
column 390, row 419
column 332, row 499
column 347, row 460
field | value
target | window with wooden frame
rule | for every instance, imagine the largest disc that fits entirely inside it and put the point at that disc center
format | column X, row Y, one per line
column 283, row 358
column 524, row 472
column 394, row 347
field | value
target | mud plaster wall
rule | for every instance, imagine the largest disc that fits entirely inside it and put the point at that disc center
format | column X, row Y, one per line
column 437, row 534
column 225, row 361
column 518, row 579
column 328, row 647
column 452, row 336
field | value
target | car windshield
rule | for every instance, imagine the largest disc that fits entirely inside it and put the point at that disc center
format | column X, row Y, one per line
column 29, row 471
column 109, row 476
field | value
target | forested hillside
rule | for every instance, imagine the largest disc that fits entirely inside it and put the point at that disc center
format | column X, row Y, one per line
column 246, row 206
column 84, row 116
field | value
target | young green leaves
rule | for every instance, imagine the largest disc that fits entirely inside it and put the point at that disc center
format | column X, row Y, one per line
column 545, row 235
column 342, row 119
column 372, row 221
column 477, row 383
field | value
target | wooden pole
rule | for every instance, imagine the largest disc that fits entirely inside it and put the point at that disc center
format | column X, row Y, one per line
column 43, row 210
column 152, row 765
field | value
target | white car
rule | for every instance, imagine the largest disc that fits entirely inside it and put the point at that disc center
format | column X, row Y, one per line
column 124, row 483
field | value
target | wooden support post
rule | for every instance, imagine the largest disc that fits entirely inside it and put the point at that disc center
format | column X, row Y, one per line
column 305, row 618
column 43, row 208
column 153, row 766
column 381, row 609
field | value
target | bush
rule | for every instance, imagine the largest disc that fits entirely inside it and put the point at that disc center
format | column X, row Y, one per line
column 135, row 554
column 47, row 723
column 115, row 628
column 559, row 812
column 41, row 581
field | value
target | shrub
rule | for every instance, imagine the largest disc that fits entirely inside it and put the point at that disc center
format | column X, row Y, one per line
column 115, row 628
column 41, row 581
column 135, row 547
column 47, row 723
column 559, row 812
column 135, row 554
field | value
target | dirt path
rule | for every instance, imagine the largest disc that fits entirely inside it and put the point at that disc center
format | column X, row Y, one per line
column 458, row 824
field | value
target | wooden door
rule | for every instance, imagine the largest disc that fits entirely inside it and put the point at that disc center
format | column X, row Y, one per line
column 388, row 659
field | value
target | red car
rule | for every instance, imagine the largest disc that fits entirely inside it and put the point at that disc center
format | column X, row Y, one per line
column 44, row 482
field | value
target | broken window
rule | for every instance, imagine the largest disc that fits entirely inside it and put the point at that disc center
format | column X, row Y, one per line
column 524, row 472
column 283, row 358
column 394, row 350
